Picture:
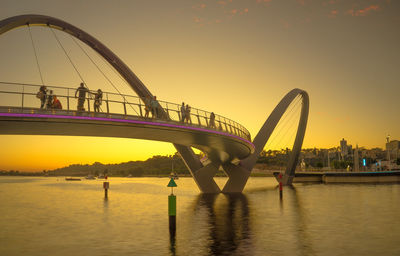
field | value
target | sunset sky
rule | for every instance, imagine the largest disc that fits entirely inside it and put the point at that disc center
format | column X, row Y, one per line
column 237, row 58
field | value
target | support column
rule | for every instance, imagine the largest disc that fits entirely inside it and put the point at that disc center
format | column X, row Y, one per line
column 202, row 175
column 298, row 142
column 270, row 124
column 238, row 177
column 287, row 179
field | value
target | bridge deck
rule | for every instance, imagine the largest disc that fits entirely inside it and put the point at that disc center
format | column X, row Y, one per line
column 34, row 121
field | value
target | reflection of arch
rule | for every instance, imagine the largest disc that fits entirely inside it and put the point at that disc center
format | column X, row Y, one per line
column 300, row 218
column 238, row 174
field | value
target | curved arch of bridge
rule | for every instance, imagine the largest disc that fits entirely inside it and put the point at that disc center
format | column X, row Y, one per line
column 270, row 124
column 239, row 173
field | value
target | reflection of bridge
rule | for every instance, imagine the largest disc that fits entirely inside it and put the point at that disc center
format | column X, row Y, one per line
column 227, row 145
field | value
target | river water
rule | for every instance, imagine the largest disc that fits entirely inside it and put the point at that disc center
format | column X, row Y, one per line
column 51, row 216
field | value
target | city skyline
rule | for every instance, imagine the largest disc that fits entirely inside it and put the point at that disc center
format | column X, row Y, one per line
column 239, row 59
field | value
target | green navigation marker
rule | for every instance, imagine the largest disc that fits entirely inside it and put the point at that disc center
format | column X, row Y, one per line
column 171, row 205
column 172, row 208
column 172, row 183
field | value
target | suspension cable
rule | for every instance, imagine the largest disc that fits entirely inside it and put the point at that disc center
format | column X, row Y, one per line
column 118, row 74
column 112, row 68
column 282, row 122
column 98, row 68
column 288, row 128
column 34, row 50
column 66, row 54
column 292, row 136
column 281, row 138
column 292, row 133
column 284, row 139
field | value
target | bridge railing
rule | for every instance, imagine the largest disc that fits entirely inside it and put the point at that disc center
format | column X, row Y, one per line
column 19, row 95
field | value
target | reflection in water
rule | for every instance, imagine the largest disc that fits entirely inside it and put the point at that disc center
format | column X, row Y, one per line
column 228, row 222
column 105, row 210
column 61, row 218
column 172, row 243
column 304, row 241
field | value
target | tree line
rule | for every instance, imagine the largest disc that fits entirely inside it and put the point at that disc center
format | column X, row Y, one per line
column 154, row 166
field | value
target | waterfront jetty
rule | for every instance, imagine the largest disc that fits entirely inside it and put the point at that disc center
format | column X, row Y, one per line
column 345, row 177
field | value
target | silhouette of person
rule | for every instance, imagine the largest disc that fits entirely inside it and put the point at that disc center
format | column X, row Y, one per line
column 154, row 107
column 98, row 100
column 82, row 90
column 187, row 114
column 42, row 95
column 56, row 103
column 147, row 107
column 212, row 120
column 183, row 112
column 50, row 99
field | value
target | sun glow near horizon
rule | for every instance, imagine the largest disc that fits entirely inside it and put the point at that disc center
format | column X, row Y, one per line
column 50, row 152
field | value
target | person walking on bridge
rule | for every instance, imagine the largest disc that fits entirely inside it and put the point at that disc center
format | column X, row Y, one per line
column 154, row 107
column 147, row 106
column 82, row 90
column 212, row 120
column 50, row 99
column 183, row 110
column 42, row 95
column 187, row 114
column 97, row 100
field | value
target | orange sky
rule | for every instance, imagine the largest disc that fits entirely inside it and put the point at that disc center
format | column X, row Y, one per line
column 236, row 58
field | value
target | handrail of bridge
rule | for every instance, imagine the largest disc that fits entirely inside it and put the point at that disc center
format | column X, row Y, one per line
column 114, row 104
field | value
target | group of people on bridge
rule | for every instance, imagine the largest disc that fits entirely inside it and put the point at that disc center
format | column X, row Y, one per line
column 49, row 100
column 185, row 113
column 82, row 91
column 151, row 105
column 186, row 117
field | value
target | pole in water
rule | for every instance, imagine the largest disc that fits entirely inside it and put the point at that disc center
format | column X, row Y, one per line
column 106, row 186
column 280, row 185
column 172, row 208
column 172, row 214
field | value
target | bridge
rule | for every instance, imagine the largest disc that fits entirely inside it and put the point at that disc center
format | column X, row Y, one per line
column 226, row 143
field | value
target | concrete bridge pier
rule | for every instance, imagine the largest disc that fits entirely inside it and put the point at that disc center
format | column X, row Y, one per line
column 202, row 175
column 204, row 178
column 287, row 179
column 238, row 177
